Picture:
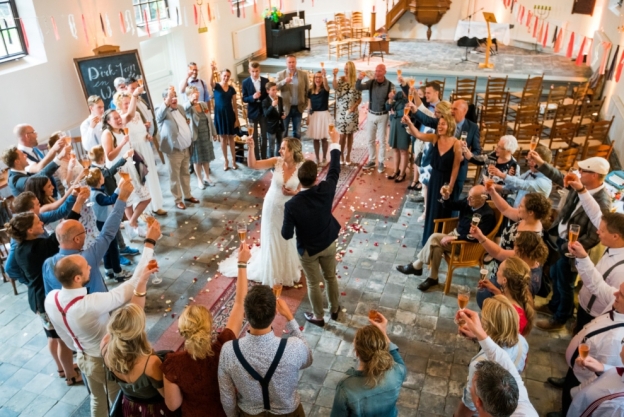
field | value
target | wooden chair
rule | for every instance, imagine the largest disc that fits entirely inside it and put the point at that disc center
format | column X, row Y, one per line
column 357, row 24
column 565, row 160
column 564, row 113
column 601, row 150
column 465, row 90
column 597, row 133
column 562, row 136
column 494, row 85
column 441, row 83
column 525, row 115
column 579, row 94
column 339, row 17
column 4, row 254
column 491, row 134
column 556, row 96
column 463, row 254
column 334, row 42
column 494, row 109
column 346, row 35
column 590, row 111
column 531, row 93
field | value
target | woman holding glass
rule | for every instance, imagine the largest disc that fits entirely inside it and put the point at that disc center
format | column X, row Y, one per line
column 445, row 160
column 203, row 133
column 347, row 115
column 501, row 158
column 225, row 114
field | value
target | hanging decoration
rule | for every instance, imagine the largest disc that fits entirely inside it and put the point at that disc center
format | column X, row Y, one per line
column 588, row 59
column 545, row 39
column 195, row 14
column 559, row 41
column 218, row 11
column 255, row 9
column 238, row 9
column 203, row 28
column 129, row 25
column 570, row 46
column 579, row 57
column 25, row 35
column 147, row 28
column 72, row 26
column 108, row 25
column 54, row 28
column 177, row 16
column 86, row 31
column 605, row 56
column 122, row 24
column 521, row 14
column 185, row 17
column 613, row 64
column 231, row 7
column 158, row 18
column 618, row 72
column 529, row 18
column 541, row 32
column 40, row 30
column 102, row 25
column 209, row 12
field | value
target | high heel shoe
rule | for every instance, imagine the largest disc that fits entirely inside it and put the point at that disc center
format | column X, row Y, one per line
column 393, row 176
column 400, row 178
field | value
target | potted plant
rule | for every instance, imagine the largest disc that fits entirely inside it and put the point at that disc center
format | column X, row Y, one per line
column 274, row 15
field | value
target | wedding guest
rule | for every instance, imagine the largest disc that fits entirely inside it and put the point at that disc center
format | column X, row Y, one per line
column 203, row 134
column 243, row 361
column 130, row 361
column 378, row 92
column 348, row 98
column 120, row 86
column 225, row 114
column 592, row 174
column 82, row 324
column 17, row 161
column 91, row 127
column 497, row 388
column 603, row 335
column 501, row 159
column 319, row 118
column 273, row 108
column 500, row 322
column 373, row 389
column 293, row 86
column 445, row 162
column 175, row 141
column 192, row 80
column 440, row 243
column 191, row 375
column 254, row 93
column 399, row 138
column 142, row 107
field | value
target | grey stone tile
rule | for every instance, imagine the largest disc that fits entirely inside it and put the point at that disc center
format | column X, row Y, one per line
column 435, row 385
column 326, row 397
column 438, row 368
column 313, row 376
column 409, row 398
column 39, row 407
column 39, row 383
column 61, row 409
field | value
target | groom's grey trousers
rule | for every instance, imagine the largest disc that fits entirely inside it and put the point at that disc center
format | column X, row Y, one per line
column 318, row 267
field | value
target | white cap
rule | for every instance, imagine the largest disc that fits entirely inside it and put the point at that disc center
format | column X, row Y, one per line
column 595, row 164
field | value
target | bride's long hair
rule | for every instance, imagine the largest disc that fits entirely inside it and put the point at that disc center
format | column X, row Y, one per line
column 294, row 145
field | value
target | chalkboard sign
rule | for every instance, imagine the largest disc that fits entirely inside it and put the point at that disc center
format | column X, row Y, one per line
column 97, row 73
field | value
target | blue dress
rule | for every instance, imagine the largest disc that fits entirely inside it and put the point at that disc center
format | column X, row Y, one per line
column 441, row 169
column 224, row 116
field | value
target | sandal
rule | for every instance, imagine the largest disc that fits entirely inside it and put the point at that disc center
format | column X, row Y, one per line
column 226, row 167
column 393, row 176
column 61, row 372
column 400, row 178
column 234, row 167
column 74, row 380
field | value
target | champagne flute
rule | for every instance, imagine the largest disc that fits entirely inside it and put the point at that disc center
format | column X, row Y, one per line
column 464, row 136
column 570, row 176
column 447, row 189
column 573, row 234
column 583, row 349
column 534, row 142
column 277, row 290
column 152, row 264
column 250, row 129
column 373, row 314
column 484, row 274
column 241, row 227
column 399, row 72
column 140, row 80
column 463, row 296
column 332, row 126
column 476, row 219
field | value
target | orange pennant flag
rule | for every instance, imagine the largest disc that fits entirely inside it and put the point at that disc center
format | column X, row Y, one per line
column 540, row 33
column 579, row 57
column 559, row 41
column 570, row 46
column 545, row 41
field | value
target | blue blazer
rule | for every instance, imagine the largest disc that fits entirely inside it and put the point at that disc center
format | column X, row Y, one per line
column 473, row 140
column 17, row 180
column 254, row 105
column 309, row 212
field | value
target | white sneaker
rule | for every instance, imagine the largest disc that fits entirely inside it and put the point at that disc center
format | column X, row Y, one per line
column 201, row 184
column 208, row 182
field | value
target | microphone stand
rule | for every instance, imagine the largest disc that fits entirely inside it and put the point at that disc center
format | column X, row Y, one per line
column 469, row 17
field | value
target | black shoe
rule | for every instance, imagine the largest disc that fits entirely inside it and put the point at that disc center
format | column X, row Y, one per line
column 428, row 283
column 556, row 382
column 310, row 318
column 555, row 414
column 419, row 199
column 334, row 316
column 409, row 269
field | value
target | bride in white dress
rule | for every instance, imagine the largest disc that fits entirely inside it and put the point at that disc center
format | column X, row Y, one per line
column 277, row 260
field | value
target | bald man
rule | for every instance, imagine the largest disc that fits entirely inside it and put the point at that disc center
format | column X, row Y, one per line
column 438, row 243
column 459, row 109
column 377, row 120
column 71, row 236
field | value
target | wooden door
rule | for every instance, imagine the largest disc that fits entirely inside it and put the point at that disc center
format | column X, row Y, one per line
column 583, row 7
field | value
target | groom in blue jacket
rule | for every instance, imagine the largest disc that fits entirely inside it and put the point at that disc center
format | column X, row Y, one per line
column 310, row 213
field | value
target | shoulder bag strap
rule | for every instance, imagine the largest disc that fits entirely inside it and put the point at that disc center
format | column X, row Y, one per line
column 592, row 299
column 593, row 406
column 264, row 382
column 64, row 315
column 592, row 334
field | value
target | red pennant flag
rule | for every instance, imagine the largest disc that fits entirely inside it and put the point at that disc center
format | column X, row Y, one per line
column 529, row 17
column 25, row 35
column 559, row 41
column 147, row 28
column 54, row 28
column 84, row 26
column 545, row 36
column 195, row 13
column 570, row 46
column 244, row 11
column 282, row 6
column 232, row 8
column 122, row 23
column 521, row 14
column 541, row 31
column 579, row 57
column 618, row 72
column 255, row 10
column 603, row 63
column 209, row 12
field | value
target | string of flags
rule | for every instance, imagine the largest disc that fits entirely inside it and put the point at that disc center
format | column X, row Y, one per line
column 539, row 28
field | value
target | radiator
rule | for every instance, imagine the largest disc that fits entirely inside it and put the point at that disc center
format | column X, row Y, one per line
column 248, row 41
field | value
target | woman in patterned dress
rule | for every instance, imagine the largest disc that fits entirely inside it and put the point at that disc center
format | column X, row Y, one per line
column 347, row 100
column 203, row 132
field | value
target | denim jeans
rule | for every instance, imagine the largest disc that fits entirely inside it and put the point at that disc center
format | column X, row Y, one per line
column 275, row 141
column 563, row 279
column 295, row 115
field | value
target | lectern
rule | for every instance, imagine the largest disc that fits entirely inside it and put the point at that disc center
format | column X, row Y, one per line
column 489, row 18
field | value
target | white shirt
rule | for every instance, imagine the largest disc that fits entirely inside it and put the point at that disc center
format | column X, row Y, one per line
column 184, row 131
column 604, row 347
column 497, row 354
column 147, row 114
column 89, row 316
column 563, row 227
column 610, row 382
column 30, row 152
column 91, row 136
column 256, row 84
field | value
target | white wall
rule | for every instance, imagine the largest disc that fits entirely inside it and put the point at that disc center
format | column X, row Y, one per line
column 44, row 89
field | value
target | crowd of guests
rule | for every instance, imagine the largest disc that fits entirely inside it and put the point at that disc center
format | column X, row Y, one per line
column 86, row 189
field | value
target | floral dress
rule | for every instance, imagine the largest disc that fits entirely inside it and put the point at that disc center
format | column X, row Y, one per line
column 87, row 215
column 346, row 97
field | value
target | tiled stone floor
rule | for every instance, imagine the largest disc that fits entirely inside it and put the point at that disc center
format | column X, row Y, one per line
column 421, row 324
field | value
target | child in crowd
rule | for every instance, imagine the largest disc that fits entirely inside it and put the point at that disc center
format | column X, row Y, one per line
column 273, row 109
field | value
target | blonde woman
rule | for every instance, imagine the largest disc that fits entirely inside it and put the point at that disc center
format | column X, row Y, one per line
column 191, row 379
column 347, row 115
column 372, row 389
column 277, row 260
column 500, row 321
column 225, row 114
column 130, row 361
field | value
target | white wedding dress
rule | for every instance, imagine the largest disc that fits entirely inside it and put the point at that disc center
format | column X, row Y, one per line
column 276, row 261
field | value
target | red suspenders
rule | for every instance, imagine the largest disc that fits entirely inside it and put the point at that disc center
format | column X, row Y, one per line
column 64, row 314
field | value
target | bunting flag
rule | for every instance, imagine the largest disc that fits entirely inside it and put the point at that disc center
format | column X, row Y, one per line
column 54, row 28
column 238, row 9
column 195, row 14
column 559, row 41
column 86, row 31
column 589, row 52
column 147, row 28
column 129, row 17
column 521, row 14
column 511, row 1
column 570, row 46
column 25, row 35
column 177, row 16
column 282, row 6
column 545, row 39
column 109, row 30
column 605, row 56
column 209, row 12
column 554, row 38
column 185, row 16
column 618, row 72
column 122, row 23
column 72, row 25
column 535, row 26
column 255, row 9
column 611, row 71
column 541, row 32
column 579, row 57
column 102, row 24
column 529, row 18
column 244, row 12
column 231, row 8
